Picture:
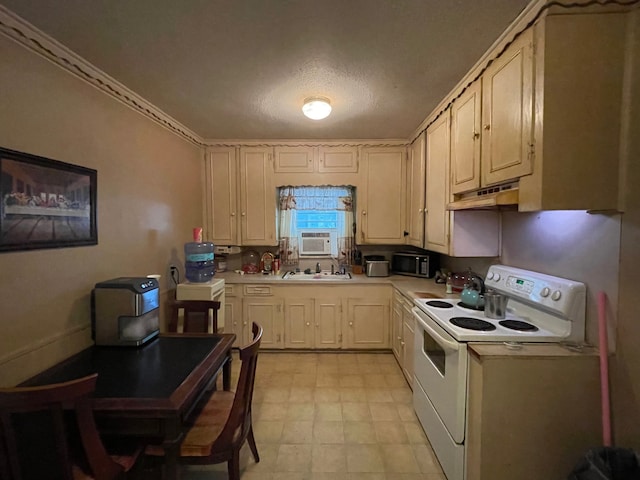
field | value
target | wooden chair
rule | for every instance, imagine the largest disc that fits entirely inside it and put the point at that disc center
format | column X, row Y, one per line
column 49, row 432
column 223, row 421
column 196, row 315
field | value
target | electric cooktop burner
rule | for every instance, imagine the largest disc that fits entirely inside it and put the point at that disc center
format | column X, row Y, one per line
column 471, row 307
column 439, row 304
column 472, row 323
column 518, row 325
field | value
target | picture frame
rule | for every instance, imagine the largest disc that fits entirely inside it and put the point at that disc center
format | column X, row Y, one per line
column 45, row 203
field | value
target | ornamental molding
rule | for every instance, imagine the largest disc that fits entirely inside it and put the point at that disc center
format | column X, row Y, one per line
column 25, row 34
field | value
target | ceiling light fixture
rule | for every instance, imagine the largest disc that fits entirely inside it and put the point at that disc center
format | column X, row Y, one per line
column 316, row 108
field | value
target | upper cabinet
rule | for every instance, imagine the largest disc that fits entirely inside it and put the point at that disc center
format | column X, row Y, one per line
column 240, row 205
column 293, row 159
column 221, row 205
column 257, row 197
column 579, row 106
column 436, row 236
column 458, row 234
column 540, row 125
column 465, row 140
column 337, row 159
column 415, row 193
column 491, row 122
column 380, row 199
column 507, row 113
column 325, row 159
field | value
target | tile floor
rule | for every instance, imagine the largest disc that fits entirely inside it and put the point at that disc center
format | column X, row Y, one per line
column 331, row 416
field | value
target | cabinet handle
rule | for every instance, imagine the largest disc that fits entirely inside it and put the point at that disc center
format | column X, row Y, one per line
column 400, row 338
column 317, row 325
column 244, row 323
column 402, row 343
column 419, row 210
column 487, row 126
column 308, row 324
column 351, row 324
column 477, row 135
column 364, row 212
column 243, row 214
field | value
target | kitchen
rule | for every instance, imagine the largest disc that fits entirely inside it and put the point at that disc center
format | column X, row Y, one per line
column 147, row 208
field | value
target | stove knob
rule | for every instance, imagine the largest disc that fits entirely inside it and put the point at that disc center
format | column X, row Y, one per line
column 556, row 295
column 490, row 276
column 496, row 277
column 545, row 292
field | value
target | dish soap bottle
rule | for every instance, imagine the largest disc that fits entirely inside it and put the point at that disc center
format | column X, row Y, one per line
column 198, row 259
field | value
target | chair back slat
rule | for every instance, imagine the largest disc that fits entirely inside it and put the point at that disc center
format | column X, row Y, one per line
column 195, row 315
column 240, row 416
column 60, row 414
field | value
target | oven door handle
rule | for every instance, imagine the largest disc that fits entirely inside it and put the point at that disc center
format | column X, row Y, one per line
column 445, row 343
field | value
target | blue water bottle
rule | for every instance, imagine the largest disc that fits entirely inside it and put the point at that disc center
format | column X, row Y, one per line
column 198, row 259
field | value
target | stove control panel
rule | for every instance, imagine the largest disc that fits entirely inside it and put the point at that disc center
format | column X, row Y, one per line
column 559, row 295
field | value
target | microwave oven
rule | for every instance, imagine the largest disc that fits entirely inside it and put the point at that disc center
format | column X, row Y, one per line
column 414, row 264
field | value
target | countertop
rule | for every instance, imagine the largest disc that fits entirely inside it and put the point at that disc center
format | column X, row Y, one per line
column 409, row 286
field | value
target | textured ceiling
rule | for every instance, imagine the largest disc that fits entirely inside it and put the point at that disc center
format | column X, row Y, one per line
column 240, row 69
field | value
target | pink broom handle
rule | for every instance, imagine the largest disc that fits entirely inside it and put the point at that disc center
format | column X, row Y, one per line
column 604, row 369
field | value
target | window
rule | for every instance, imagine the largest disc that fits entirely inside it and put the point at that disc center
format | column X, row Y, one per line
column 317, row 212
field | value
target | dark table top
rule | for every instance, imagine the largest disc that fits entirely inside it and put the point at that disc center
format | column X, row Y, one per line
column 161, row 375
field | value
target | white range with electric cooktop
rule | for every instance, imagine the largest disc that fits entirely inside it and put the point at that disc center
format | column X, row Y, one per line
column 540, row 308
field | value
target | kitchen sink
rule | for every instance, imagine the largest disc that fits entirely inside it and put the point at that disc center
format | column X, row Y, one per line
column 324, row 276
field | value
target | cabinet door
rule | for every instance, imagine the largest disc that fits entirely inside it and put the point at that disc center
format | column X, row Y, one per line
column 436, row 233
column 267, row 312
column 367, row 323
column 507, row 113
column 328, row 323
column 293, row 159
column 221, row 207
column 465, row 140
column 233, row 321
column 338, row 159
column 396, row 327
column 298, row 323
column 257, row 197
column 415, row 193
column 381, row 198
column 408, row 329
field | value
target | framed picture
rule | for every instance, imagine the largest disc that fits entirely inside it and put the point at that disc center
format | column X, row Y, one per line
column 45, row 203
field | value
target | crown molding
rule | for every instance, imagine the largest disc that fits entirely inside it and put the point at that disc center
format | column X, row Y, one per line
column 230, row 143
column 25, row 34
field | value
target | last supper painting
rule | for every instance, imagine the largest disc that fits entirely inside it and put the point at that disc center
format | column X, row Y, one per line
column 45, row 203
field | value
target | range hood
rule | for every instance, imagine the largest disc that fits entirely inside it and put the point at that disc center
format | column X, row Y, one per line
column 487, row 198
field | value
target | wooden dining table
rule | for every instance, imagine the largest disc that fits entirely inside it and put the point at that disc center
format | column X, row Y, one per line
column 148, row 392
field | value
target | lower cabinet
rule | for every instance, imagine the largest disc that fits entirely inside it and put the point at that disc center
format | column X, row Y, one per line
column 328, row 323
column 367, row 323
column 402, row 333
column 531, row 412
column 267, row 312
column 408, row 334
column 303, row 317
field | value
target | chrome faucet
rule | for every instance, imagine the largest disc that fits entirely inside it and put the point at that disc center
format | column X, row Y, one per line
column 318, row 269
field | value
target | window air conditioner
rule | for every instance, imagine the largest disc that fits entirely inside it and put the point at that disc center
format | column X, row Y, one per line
column 316, row 243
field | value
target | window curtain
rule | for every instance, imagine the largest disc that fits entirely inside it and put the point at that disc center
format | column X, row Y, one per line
column 289, row 253
column 338, row 199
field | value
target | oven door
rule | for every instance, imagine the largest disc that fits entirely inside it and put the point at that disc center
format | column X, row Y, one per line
column 441, row 369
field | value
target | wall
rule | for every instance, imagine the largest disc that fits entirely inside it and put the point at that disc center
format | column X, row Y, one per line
column 571, row 244
column 626, row 364
column 149, row 198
